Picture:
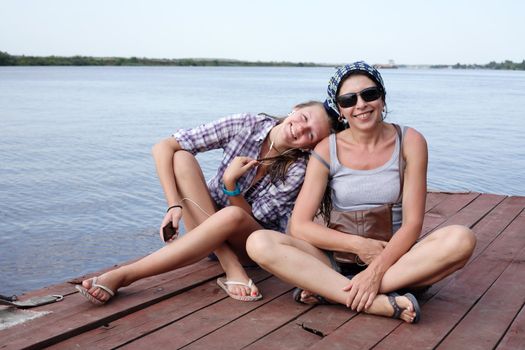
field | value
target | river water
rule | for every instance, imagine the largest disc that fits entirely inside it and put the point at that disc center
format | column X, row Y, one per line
column 78, row 189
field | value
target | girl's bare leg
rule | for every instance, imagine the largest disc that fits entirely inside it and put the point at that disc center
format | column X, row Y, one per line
column 190, row 248
column 191, row 184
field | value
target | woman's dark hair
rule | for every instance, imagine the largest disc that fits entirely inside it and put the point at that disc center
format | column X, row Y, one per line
column 279, row 164
column 326, row 206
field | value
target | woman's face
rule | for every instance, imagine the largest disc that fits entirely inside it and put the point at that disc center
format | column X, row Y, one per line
column 305, row 127
column 363, row 113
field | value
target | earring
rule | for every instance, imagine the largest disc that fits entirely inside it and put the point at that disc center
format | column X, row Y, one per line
column 341, row 119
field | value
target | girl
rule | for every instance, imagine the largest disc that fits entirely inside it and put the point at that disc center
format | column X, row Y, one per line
column 255, row 187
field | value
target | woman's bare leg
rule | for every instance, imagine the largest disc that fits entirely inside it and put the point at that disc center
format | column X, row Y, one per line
column 190, row 248
column 191, row 184
column 435, row 257
column 301, row 264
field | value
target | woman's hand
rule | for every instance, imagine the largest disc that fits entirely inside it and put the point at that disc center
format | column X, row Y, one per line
column 172, row 217
column 370, row 249
column 237, row 168
column 363, row 289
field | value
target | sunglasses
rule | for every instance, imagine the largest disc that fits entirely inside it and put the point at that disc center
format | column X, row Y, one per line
column 369, row 94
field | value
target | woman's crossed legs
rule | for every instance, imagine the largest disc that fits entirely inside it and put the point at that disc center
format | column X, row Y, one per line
column 301, row 264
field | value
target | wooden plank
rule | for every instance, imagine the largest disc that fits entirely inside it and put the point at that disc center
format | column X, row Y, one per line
column 153, row 318
column 307, row 329
column 75, row 315
column 515, row 337
column 205, row 321
column 434, row 198
column 443, row 310
column 292, row 335
column 323, row 323
column 445, row 209
column 474, row 211
column 486, row 231
column 247, row 329
column 64, row 288
column 488, row 320
column 453, row 204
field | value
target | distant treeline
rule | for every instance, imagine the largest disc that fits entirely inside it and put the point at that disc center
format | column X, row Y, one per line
column 492, row 65
column 12, row 60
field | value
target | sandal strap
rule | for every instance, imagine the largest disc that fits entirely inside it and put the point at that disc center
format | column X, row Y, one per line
column 249, row 284
column 104, row 288
column 395, row 306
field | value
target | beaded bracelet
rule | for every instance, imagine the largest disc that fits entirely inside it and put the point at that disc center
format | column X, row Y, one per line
column 174, row 206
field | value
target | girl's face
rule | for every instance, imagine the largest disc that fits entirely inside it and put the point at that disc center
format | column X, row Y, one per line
column 363, row 113
column 305, row 127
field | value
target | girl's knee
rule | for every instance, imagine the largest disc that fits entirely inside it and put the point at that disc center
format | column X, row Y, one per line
column 183, row 156
column 184, row 163
column 259, row 245
column 234, row 215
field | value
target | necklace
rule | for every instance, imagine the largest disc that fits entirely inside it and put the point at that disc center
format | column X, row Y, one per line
column 270, row 149
column 268, row 160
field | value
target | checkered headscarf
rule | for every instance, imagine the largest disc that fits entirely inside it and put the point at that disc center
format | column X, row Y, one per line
column 342, row 72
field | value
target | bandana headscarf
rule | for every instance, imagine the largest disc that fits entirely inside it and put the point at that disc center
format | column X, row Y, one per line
column 330, row 103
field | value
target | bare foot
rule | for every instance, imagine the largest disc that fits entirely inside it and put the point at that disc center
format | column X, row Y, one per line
column 241, row 290
column 382, row 307
column 109, row 280
column 309, row 298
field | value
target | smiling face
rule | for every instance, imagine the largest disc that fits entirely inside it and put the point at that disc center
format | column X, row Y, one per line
column 304, row 127
column 363, row 114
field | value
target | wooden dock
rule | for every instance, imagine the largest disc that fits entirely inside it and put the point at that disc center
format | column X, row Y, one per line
column 480, row 307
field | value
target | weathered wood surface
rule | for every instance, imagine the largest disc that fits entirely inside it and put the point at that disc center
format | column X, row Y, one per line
column 480, row 307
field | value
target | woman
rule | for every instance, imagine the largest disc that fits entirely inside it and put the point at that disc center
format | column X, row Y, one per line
column 361, row 165
column 255, row 187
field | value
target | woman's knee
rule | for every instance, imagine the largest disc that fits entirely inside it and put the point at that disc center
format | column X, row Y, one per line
column 260, row 245
column 460, row 242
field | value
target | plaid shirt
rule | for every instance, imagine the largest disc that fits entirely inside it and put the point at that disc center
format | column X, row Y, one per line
column 243, row 135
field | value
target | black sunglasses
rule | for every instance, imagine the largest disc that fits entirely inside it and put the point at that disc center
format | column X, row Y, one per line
column 369, row 94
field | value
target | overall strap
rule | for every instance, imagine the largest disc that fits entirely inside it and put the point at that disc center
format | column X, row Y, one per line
column 319, row 158
column 401, row 162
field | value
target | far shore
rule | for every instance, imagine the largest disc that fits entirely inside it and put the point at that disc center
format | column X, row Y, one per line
column 22, row 60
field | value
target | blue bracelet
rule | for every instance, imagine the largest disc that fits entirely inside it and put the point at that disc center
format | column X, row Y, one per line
column 233, row 193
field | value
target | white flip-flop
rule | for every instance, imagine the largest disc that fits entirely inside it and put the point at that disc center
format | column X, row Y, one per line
column 224, row 283
column 85, row 293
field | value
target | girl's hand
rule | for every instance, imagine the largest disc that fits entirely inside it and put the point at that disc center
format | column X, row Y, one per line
column 370, row 249
column 237, row 168
column 363, row 289
column 172, row 217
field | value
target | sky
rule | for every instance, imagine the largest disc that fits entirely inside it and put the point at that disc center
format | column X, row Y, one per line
column 320, row 31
